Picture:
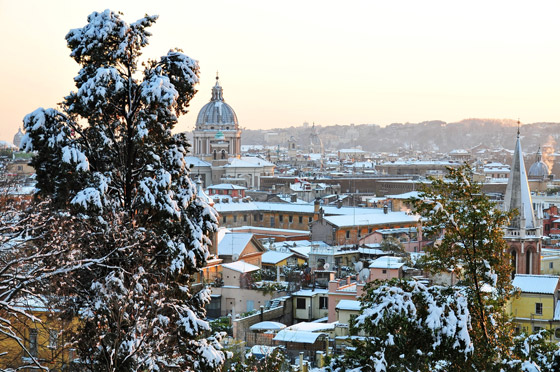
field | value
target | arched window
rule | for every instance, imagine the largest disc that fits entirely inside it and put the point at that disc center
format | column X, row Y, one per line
column 223, row 154
column 529, row 261
column 215, row 154
column 514, row 262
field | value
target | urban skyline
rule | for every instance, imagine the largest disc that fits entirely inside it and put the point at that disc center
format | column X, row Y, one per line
column 313, row 61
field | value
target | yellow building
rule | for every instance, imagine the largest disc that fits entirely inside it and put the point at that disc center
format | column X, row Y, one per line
column 537, row 306
column 278, row 259
column 41, row 336
column 310, row 304
column 346, row 310
column 550, row 264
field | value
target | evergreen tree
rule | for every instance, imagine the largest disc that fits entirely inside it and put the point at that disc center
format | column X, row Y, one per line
column 406, row 326
column 472, row 245
column 465, row 327
column 273, row 362
column 133, row 229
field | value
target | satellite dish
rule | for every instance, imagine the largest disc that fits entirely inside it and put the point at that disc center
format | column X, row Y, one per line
column 358, row 266
column 235, row 257
column 364, row 275
column 326, row 266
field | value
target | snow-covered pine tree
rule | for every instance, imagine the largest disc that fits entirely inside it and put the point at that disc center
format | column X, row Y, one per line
column 107, row 159
column 473, row 246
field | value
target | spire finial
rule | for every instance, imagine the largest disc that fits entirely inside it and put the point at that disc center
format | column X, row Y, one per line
column 518, row 125
column 217, row 90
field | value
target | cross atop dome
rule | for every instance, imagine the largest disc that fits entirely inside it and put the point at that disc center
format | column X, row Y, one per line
column 217, row 91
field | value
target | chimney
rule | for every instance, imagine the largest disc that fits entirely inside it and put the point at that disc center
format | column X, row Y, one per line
column 385, row 208
column 293, row 198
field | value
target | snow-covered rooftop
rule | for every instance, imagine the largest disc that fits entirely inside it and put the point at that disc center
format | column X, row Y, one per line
column 196, row 162
column 273, row 257
column 309, row 292
column 267, row 326
column 226, row 186
column 248, row 162
column 406, row 195
column 387, row 262
column 378, row 218
column 348, row 305
column 289, row 207
column 230, row 244
column 527, row 283
column 302, row 337
column 241, row 266
column 312, row 327
column 372, row 251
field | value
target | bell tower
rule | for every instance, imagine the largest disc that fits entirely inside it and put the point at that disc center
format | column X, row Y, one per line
column 524, row 233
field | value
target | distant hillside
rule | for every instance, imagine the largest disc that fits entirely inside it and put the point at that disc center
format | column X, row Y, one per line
column 435, row 135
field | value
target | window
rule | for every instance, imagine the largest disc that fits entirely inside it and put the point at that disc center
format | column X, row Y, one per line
column 538, row 308
column 323, row 302
column 384, row 271
column 290, row 219
column 300, row 219
column 281, row 218
column 250, row 305
column 225, row 219
column 536, row 329
column 53, row 338
column 310, row 219
column 33, row 347
column 348, row 234
column 300, row 304
column 551, row 265
column 234, row 218
column 272, row 221
column 244, row 218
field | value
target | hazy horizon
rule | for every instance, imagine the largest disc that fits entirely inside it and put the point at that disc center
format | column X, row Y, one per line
column 313, row 61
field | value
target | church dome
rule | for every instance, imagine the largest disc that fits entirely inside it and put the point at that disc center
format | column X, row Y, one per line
column 17, row 138
column 217, row 112
column 539, row 169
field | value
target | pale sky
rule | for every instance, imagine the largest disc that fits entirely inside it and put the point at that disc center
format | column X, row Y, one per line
column 328, row 62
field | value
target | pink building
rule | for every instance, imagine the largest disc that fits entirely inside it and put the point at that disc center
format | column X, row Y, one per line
column 343, row 289
column 386, row 268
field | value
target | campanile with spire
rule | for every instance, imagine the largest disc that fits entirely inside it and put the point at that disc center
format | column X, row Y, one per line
column 524, row 233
